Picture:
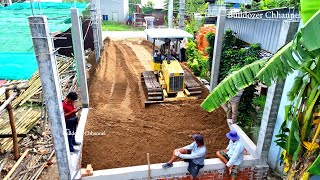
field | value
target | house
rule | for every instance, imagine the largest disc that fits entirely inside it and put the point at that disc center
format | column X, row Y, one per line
column 214, row 6
column 115, row 10
column 158, row 14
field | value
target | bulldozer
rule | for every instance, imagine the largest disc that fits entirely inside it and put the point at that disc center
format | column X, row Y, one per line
column 167, row 80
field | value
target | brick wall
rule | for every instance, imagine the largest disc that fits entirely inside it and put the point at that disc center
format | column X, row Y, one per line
column 250, row 173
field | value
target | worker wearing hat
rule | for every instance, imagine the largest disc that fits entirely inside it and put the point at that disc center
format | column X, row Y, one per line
column 233, row 155
column 195, row 153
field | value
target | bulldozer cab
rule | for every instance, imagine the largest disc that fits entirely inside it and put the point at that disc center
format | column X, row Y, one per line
column 167, row 81
column 169, row 41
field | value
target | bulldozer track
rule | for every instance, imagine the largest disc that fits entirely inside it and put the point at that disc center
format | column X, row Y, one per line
column 152, row 88
column 192, row 85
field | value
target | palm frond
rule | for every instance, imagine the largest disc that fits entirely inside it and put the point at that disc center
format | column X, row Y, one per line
column 231, row 85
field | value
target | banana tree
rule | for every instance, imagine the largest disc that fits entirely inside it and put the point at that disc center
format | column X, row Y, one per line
column 301, row 126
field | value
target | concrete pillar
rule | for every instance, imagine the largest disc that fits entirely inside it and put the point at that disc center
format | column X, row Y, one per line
column 48, row 71
column 182, row 12
column 270, row 113
column 149, row 21
column 93, row 12
column 99, row 19
column 217, row 49
column 170, row 13
column 78, row 48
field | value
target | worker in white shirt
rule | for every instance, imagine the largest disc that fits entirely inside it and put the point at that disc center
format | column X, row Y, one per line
column 233, row 155
column 183, row 47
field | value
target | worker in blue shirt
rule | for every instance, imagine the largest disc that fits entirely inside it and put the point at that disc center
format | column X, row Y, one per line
column 233, row 155
column 195, row 153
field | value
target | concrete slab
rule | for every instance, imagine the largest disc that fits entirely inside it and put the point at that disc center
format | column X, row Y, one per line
column 75, row 158
column 117, row 35
column 141, row 172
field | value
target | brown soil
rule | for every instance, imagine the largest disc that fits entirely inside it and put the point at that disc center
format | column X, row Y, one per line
column 132, row 131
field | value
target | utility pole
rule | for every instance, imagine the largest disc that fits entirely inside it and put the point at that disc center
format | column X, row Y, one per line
column 77, row 40
column 217, row 49
column 182, row 12
column 170, row 13
column 93, row 12
column 43, row 47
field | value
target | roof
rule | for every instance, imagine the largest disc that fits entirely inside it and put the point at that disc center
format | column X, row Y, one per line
column 169, row 33
column 16, row 49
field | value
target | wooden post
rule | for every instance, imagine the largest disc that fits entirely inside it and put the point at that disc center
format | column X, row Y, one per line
column 13, row 128
column 149, row 171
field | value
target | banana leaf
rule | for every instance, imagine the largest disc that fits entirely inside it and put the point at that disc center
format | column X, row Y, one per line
column 231, row 85
column 308, row 8
column 307, row 117
column 310, row 32
column 294, row 91
column 315, row 166
column 293, row 143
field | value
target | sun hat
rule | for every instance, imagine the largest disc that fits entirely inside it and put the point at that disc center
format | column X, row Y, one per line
column 232, row 135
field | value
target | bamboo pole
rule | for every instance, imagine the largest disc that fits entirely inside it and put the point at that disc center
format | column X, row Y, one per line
column 13, row 128
column 16, row 165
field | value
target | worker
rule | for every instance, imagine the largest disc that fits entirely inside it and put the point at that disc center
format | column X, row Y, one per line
column 195, row 153
column 130, row 20
column 157, row 56
column 183, row 47
column 233, row 155
column 71, row 119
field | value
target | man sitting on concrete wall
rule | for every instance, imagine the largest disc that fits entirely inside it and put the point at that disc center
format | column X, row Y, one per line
column 233, row 155
column 195, row 153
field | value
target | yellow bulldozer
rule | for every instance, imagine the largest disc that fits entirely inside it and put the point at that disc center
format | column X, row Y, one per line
column 166, row 79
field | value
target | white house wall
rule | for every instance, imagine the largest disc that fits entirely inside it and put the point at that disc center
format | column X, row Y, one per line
column 116, row 10
column 125, row 9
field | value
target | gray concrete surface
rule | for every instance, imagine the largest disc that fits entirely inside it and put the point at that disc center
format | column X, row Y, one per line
column 123, row 34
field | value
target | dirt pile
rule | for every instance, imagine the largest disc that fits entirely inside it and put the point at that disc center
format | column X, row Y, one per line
column 127, row 130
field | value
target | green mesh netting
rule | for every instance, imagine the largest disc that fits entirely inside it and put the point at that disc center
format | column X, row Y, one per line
column 17, row 59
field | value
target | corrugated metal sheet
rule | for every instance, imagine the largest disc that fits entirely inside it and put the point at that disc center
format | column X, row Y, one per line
column 263, row 31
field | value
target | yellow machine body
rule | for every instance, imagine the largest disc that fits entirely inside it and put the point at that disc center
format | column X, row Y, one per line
column 173, row 76
column 155, row 66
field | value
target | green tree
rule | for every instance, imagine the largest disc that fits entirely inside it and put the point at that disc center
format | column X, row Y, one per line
column 147, row 8
column 131, row 5
column 192, row 6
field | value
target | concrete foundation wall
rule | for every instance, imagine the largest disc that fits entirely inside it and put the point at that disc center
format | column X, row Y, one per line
column 213, row 169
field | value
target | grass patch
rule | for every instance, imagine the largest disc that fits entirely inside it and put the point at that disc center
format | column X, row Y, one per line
column 115, row 26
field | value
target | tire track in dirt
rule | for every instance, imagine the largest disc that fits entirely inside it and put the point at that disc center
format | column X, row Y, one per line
column 100, row 80
column 132, row 68
column 120, row 83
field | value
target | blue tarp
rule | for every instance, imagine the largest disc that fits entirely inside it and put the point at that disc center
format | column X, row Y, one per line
column 17, row 65
column 17, row 59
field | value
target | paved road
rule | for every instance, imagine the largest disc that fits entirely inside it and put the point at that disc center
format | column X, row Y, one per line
column 123, row 34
